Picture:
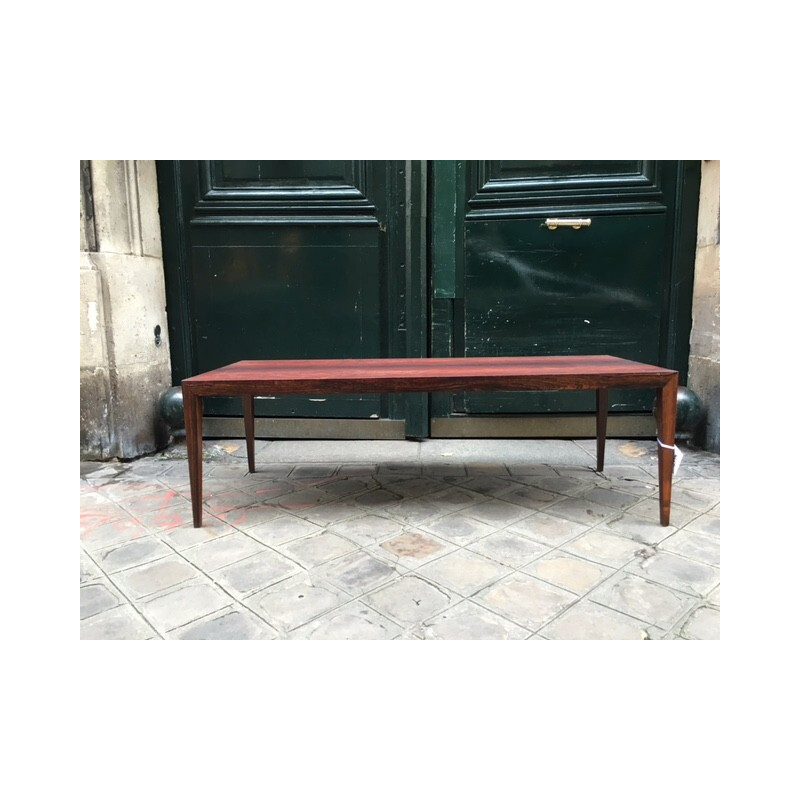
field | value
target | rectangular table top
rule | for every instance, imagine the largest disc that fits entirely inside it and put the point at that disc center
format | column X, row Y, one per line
column 428, row 374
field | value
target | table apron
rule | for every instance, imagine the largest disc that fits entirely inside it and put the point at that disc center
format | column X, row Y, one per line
column 426, row 384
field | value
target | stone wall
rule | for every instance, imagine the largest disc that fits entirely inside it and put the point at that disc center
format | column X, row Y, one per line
column 704, row 343
column 123, row 369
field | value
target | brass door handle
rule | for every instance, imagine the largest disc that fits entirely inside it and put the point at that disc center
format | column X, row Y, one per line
column 553, row 223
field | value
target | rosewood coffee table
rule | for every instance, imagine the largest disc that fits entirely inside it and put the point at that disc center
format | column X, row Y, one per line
column 249, row 379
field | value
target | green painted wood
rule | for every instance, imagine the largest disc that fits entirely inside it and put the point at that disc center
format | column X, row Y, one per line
column 622, row 286
column 533, row 291
column 444, row 227
column 417, row 341
column 284, row 259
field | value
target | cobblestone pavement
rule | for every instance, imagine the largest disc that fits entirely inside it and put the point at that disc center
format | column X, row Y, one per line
column 440, row 539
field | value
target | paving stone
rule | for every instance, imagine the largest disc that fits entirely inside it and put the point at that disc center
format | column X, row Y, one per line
column 458, row 528
column 408, row 600
column 232, row 472
column 415, row 510
column 313, row 471
column 640, row 488
column 268, row 490
column 527, row 601
column 587, row 620
column 218, row 495
column 530, row 453
column 649, row 509
column 121, row 622
column 509, row 548
column 353, row 621
column 181, row 606
column 175, row 471
column 129, row 487
column 486, row 485
column 296, row 601
column 171, row 517
column 676, row 572
column 400, row 468
column 527, row 469
column 223, row 551
column 367, row 530
column 265, row 469
column 683, row 496
column 155, row 577
column 91, row 499
column 412, row 548
column 342, row 487
column 332, row 513
column 637, row 528
column 581, row 509
column 696, row 546
column 99, row 516
column 709, row 486
column 303, row 500
column 561, row 484
column 386, row 480
column 255, row 572
column 152, row 501
column 453, row 499
column 246, row 518
column 415, row 487
column 644, row 600
column 498, row 512
column 531, row 497
column 97, row 597
column 282, row 529
column 120, row 530
column 357, row 470
column 321, row 484
column 377, row 499
column 543, row 527
column 468, row 620
column 188, row 536
column 706, row 523
column 230, row 624
column 307, row 451
column 437, row 490
column 442, row 469
column 89, row 570
column 132, row 554
column 463, row 572
column 148, row 468
column 568, row 572
column 702, row 624
column 587, row 475
column 610, row 497
column 478, row 468
column 626, row 472
column 358, row 572
column 315, row 550
column 604, row 548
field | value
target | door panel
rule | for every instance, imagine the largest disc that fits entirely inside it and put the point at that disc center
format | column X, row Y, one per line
column 506, row 284
column 534, row 291
column 281, row 299
column 282, row 259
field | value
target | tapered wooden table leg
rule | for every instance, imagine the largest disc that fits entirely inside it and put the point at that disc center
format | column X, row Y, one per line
column 193, row 417
column 667, row 409
column 249, row 430
column 602, row 418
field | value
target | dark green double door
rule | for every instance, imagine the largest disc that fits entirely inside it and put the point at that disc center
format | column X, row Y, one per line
column 356, row 259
